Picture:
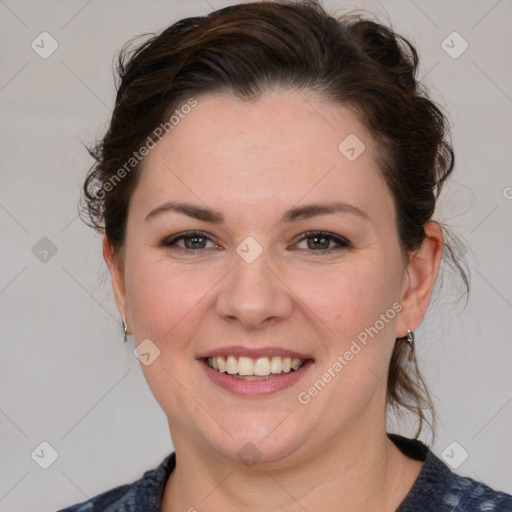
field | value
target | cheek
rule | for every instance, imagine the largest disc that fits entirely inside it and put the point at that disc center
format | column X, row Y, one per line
column 166, row 305
column 349, row 299
column 357, row 310
column 162, row 299
column 359, row 304
column 166, row 302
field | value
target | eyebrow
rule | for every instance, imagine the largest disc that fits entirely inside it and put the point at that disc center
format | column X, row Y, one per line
column 292, row 215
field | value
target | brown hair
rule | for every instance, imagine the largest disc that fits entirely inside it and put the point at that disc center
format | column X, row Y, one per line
column 250, row 48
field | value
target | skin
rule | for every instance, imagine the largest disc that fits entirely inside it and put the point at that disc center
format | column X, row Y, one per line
column 252, row 161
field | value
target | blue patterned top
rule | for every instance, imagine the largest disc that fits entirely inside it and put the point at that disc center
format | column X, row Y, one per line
column 437, row 488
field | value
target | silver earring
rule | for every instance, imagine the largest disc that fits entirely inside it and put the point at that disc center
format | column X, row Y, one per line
column 125, row 331
column 410, row 339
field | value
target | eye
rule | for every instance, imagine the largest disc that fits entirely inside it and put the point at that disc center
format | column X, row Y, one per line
column 193, row 241
column 321, row 242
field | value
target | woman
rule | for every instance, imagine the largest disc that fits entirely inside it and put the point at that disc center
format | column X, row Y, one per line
column 266, row 192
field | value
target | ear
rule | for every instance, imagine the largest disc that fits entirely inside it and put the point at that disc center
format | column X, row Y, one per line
column 116, row 275
column 419, row 280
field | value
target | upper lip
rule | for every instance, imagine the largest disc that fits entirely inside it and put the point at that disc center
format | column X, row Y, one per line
column 253, row 353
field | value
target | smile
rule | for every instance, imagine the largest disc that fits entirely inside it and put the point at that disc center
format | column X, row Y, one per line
column 254, row 377
column 248, row 368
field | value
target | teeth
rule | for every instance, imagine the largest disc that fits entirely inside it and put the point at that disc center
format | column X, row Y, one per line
column 262, row 366
column 231, row 365
column 276, row 365
column 295, row 364
column 247, row 366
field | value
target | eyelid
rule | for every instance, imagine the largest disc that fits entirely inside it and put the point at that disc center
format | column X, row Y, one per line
column 171, row 240
column 340, row 241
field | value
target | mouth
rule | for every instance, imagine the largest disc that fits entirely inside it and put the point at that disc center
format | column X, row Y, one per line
column 248, row 368
column 268, row 371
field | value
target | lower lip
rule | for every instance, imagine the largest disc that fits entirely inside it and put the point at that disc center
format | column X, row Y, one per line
column 255, row 387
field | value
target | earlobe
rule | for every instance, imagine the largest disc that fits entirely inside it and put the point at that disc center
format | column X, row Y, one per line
column 419, row 280
column 116, row 276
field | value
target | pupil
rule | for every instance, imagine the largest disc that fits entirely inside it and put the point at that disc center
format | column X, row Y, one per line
column 316, row 238
column 193, row 239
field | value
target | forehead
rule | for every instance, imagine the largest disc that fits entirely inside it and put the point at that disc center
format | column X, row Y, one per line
column 272, row 151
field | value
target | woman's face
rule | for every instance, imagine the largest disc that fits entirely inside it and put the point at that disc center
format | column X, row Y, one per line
column 255, row 284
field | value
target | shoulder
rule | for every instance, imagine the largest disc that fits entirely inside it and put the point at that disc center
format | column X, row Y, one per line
column 470, row 495
column 439, row 489
column 101, row 501
column 144, row 494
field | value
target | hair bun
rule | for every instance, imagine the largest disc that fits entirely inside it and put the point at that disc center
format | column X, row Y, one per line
column 393, row 52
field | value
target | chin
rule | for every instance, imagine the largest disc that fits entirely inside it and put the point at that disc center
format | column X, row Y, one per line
column 255, row 448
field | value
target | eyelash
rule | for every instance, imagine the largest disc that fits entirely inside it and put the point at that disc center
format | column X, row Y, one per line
column 343, row 243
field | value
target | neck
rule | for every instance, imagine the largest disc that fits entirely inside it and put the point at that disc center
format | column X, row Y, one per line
column 360, row 471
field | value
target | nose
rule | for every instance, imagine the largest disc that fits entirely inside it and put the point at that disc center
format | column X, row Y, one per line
column 253, row 294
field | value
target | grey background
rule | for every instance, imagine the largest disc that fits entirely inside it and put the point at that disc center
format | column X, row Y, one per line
column 67, row 378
